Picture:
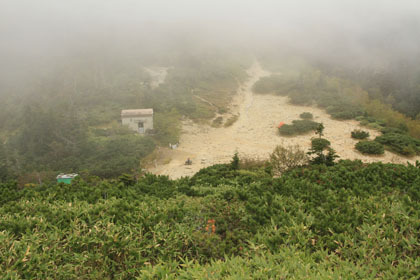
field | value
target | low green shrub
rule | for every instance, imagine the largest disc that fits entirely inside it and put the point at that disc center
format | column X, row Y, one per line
column 370, row 147
column 359, row 134
column 306, row 116
column 286, row 158
column 298, row 127
column 230, row 121
column 217, row 121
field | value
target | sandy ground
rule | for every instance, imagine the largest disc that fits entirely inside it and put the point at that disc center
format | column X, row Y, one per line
column 255, row 134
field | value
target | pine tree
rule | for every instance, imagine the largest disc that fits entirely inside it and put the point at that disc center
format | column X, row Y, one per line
column 234, row 164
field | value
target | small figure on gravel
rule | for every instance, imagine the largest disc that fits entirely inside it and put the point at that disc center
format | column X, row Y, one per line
column 188, row 162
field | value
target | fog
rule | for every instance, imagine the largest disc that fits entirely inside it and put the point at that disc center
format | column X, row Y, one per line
column 68, row 68
column 376, row 32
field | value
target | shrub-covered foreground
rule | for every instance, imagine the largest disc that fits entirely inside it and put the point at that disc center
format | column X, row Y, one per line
column 350, row 220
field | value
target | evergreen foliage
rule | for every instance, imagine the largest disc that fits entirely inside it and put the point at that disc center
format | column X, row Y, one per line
column 320, row 130
column 318, row 146
column 234, row 164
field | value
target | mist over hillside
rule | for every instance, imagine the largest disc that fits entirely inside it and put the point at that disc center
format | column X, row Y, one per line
column 375, row 38
column 197, row 139
column 92, row 56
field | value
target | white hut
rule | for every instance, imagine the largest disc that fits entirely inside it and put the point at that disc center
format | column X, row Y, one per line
column 139, row 120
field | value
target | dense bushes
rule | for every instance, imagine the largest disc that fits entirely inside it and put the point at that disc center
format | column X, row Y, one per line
column 344, row 111
column 397, row 140
column 298, row 127
column 359, row 134
column 116, row 155
column 387, row 130
column 400, row 143
column 341, row 97
column 370, row 147
column 335, row 218
column 391, row 118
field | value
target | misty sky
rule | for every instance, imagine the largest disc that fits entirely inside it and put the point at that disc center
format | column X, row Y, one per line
column 44, row 27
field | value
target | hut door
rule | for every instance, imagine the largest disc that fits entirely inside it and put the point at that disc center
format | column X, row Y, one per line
column 141, row 127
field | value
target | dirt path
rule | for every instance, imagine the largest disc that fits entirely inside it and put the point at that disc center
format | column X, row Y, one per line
column 254, row 134
column 158, row 75
column 205, row 101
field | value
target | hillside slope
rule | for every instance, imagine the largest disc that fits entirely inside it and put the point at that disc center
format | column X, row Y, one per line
column 255, row 134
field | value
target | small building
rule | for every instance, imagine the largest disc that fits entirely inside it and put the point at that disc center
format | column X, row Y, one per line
column 139, row 120
column 66, row 178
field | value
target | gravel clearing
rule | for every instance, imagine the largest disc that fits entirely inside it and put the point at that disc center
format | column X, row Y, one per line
column 255, row 134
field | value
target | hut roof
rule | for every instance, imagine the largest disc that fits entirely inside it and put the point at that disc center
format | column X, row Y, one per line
column 136, row 112
column 67, row 176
